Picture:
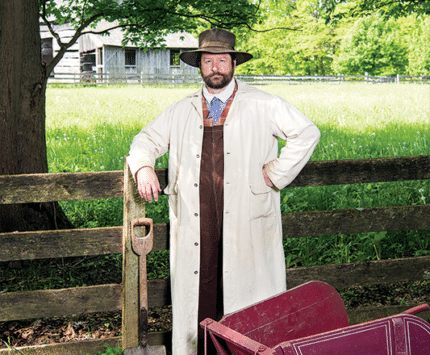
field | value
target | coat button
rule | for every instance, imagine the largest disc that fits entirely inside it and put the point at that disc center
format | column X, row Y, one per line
column 196, row 214
column 196, row 244
column 196, row 272
column 201, row 126
column 197, row 156
column 196, row 184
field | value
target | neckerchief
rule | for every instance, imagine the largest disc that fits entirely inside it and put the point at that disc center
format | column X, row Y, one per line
column 207, row 122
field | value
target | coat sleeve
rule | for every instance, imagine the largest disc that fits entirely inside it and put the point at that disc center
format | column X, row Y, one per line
column 151, row 142
column 301, row 136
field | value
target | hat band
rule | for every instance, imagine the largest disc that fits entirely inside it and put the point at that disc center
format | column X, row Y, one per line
column 216, row 44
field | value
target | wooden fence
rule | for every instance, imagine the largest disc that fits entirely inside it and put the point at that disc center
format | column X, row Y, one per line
column 67, row 243
column 179, row 80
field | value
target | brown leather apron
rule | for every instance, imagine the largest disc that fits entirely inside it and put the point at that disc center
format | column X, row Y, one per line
column 211, row 222
column 211, row 218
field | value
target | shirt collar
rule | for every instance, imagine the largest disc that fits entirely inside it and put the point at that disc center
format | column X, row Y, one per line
column 223, row 95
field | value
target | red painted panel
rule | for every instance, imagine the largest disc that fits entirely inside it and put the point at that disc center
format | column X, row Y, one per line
column 311, row 320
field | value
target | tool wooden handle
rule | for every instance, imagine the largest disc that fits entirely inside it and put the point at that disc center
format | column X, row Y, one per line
column 417, row 309
column 142, row 245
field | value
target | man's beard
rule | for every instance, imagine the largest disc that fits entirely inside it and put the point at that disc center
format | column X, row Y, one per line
column 218, row 83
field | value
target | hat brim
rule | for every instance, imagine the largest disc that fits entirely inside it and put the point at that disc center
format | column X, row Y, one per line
column 192, row 57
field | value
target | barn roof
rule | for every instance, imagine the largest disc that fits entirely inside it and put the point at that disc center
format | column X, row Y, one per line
column 92, row 41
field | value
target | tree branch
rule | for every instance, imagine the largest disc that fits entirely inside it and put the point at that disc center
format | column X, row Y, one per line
column 214, row 21
column 51, row 30
column 115, row 27
column 65, row 46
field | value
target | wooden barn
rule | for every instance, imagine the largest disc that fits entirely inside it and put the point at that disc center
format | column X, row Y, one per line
column 99, row 54
column 70, row 63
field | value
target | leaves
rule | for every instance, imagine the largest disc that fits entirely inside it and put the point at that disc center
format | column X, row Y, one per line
column 147, row 21
column 335, row 9
column 419, row 53
column 302, row 45
column 372, row 45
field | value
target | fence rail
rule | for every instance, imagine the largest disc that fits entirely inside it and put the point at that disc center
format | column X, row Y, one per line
column 98, row 241
column 179, row 80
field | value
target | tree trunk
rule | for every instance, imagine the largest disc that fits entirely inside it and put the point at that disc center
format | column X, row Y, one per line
column 22, row 113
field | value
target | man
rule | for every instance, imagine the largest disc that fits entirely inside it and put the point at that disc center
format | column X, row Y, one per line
column 226, row 247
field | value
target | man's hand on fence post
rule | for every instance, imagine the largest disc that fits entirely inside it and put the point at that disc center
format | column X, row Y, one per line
column 147, row 183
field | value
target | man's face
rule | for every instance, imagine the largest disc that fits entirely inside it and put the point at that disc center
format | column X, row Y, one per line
column 217, row 70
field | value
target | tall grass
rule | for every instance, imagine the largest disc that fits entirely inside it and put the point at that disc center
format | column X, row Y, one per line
column 90, row 129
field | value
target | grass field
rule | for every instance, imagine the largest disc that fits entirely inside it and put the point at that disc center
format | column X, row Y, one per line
column 90, row 129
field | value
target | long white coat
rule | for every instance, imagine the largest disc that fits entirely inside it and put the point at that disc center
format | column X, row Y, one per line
column 253, row 257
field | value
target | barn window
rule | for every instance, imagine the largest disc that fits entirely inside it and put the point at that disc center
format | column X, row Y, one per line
column 174, row 58
column 47, row 53
column 130, row 57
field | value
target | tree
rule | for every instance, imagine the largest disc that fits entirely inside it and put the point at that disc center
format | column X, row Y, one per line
column 23, row 76
column 372, row 45
column 419, row 53
column 304, row 44
column 336, row 9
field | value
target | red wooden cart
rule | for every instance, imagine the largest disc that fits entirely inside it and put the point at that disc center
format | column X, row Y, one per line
column 311, row 319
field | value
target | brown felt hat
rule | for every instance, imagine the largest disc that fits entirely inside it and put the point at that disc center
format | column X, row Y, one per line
column 215, row 41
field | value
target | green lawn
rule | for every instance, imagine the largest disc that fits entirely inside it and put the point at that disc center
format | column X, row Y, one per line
column 90, row 129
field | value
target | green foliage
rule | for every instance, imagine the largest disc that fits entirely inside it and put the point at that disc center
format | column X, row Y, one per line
column 372, row 45
column 110, row 350
column 294, row 38
column 419, row 53
column 302, row 43
column 335, row 9
column 49, row 274
column 136, row 18
column 290, row 37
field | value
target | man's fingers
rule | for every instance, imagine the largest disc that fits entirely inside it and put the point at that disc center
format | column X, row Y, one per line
column 148, row 184
column 267, row 179
column 155, row 193
column 148, row 194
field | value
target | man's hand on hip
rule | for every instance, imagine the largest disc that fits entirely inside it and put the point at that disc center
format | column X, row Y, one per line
column 147, row 183
column 267, row 179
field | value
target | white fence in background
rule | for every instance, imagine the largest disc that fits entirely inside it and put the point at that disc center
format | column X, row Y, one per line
column 180, row 80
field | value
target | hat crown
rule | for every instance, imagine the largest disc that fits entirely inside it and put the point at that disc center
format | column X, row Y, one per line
column 215, row 41
column 217, row 37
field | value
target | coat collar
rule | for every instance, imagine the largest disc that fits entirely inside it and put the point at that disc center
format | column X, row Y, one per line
column 242, row 90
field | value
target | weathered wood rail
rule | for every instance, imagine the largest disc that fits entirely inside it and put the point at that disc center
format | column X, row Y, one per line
column 99, row 241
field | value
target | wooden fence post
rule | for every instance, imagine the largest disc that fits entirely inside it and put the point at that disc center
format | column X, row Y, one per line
column 134, row 207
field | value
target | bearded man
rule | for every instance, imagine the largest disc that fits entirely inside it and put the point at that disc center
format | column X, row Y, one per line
column 226, row 249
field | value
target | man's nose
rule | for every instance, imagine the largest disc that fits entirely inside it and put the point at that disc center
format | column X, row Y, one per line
column 215, row 67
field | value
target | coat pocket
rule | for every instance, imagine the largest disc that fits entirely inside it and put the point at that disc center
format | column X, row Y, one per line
column 261, row 202
column 172, row 191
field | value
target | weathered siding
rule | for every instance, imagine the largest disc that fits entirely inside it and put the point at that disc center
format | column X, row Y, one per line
column 110, row 58
column 70, row 62
column 158, row 62
column 150, row 62
column 113, row 56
